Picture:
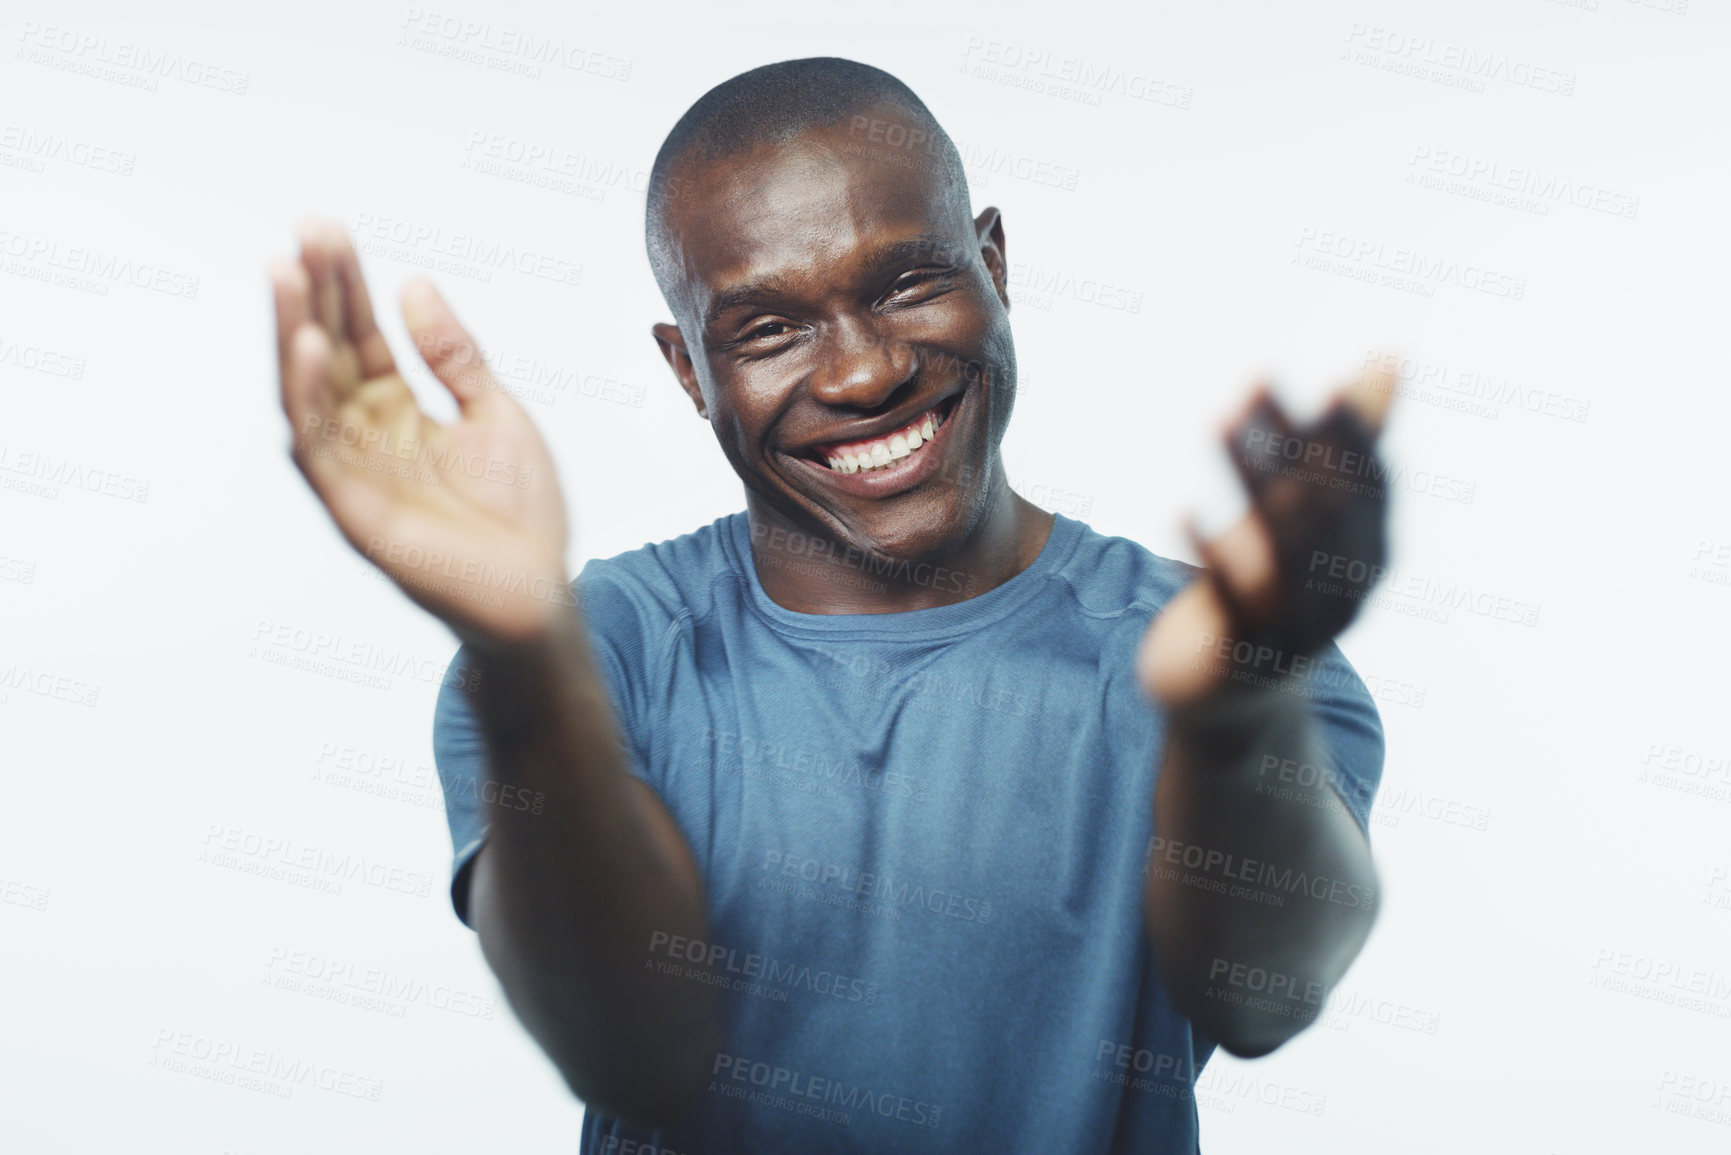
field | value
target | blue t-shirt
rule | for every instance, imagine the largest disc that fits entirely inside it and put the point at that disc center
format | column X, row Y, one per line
column 924, row 837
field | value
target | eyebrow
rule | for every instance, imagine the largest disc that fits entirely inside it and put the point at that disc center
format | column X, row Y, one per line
column 777, row 288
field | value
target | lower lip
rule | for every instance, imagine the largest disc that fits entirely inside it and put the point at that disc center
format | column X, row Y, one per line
column 900, row 477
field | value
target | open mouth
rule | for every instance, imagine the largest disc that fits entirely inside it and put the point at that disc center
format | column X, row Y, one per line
column 885, row 451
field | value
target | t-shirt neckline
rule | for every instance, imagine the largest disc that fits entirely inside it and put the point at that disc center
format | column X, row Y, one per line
column 936, row 621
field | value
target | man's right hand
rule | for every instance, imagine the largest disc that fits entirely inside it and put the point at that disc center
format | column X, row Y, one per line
column 467, row 518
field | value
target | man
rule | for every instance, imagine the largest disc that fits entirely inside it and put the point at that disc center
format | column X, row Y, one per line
column 893, row 813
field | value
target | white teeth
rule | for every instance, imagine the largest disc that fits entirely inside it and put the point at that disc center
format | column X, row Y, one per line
column 881, row 453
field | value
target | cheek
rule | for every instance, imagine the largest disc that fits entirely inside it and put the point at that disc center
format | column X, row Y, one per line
column 741, row 414
column 964, row 328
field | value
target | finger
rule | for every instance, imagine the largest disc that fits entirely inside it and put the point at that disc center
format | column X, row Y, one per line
column 1372, row 394
column 1258, row 441
column 363, row 328
column 444, row 344
column 1261, row 395
column 307, row 390
column 327, row 296
column 289, row 288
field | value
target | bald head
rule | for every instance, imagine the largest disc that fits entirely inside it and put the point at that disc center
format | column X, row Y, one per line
column 774, row 105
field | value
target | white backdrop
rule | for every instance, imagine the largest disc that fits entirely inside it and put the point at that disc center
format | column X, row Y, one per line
column 201, row 687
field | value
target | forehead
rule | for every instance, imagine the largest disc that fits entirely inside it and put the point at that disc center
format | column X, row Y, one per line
column 797, row 209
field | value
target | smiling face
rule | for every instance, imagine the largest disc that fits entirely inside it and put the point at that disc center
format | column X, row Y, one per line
column 836, row 303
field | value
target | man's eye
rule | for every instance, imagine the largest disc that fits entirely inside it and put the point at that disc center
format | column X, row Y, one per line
column 769, row 329
column 921, row 281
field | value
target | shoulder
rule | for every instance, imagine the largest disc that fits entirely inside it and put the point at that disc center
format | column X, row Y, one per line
column 1110, row 576
column 661, row 582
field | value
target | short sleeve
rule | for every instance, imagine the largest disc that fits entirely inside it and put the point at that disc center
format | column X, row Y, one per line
column 459, row 754
column 624, row 632
column 1350, row 730
column 627, row 628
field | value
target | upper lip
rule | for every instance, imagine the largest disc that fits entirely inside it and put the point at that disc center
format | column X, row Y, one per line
column 873, row 429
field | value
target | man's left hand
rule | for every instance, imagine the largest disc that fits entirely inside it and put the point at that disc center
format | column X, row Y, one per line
column 1290, row 575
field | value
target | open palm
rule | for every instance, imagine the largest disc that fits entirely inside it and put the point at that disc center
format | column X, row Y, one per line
column 467, row 518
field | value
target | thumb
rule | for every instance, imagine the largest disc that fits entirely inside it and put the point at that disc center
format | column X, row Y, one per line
column 444, row 344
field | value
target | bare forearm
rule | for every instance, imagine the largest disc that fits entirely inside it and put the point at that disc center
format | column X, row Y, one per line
column 567, row 894
column 1260, row 887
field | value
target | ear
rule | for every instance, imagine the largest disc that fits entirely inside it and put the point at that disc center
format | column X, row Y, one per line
column 672, row 344
column 989, row 228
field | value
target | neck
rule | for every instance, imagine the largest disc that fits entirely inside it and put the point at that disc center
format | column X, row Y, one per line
column 810, row 570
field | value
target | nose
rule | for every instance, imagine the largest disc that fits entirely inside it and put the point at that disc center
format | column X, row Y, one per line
column 862, row 368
